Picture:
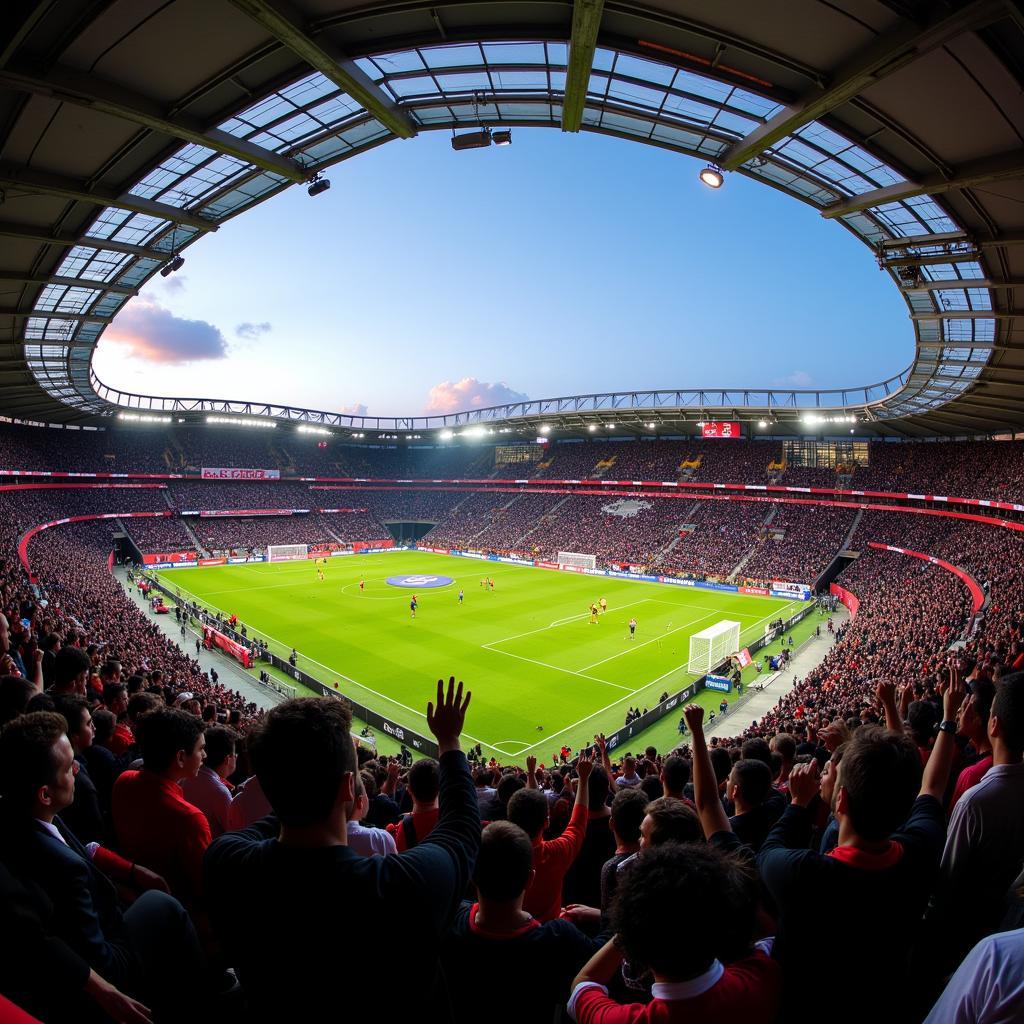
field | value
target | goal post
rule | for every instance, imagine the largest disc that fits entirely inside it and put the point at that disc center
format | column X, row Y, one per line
column 577, row 559
column 712, row 646
column 286, row 552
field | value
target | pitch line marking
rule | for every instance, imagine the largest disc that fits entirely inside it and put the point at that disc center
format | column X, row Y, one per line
column 349, row 679
column 555, row 668
column 557, row 622
column 635, row 646
column 621, row 700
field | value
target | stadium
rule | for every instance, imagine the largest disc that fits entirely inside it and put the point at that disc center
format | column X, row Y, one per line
column 745, row 739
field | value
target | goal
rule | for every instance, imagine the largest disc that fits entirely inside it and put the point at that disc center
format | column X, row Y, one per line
column 711, row 646
column 576, row 559
column 286, row 552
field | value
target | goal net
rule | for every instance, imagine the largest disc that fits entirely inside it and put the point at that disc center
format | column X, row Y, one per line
column 711, row 646
column 579, row 560
column 285, row 552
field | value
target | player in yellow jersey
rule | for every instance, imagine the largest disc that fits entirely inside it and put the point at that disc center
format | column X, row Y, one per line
column 604, row 605
column 593, row 614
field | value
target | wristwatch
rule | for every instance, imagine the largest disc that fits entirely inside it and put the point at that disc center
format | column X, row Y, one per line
column 948, row 726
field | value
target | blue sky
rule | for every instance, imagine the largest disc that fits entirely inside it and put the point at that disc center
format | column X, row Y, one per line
column 432, row 280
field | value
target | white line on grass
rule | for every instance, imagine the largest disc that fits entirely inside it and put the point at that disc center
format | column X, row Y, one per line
column 348, row 679
column 557, row 622
column 554, row 668
column 635, row 646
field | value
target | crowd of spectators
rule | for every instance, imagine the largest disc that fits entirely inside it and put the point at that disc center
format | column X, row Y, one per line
column 811, row 538
column 145, row 848
column 718, row 535
column 197, row 496
column 253, row 533
column 159, row 535
column 983, row 469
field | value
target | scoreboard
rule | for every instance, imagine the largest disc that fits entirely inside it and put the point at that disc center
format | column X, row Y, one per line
column 721, row 428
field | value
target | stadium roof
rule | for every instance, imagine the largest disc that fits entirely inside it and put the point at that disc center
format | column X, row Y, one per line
column 132, row 128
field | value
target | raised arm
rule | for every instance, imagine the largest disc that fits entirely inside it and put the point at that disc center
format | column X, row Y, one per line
column 602, row 747
column 705, row 784
column 885, row 694
column 936, row 771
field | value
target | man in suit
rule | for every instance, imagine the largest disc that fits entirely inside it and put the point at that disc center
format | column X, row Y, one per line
column 130, row 949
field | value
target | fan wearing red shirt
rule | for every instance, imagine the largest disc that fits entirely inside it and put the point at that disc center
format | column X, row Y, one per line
column 424, row 785
column 972, row 725
column 708, row 972
column 529, row 809
column 155, row 824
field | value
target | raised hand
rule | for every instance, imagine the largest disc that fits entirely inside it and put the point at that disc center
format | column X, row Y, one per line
column 955, row 692
column 446, row 718
column 694, row 715
column 531, row 764
column 584, row 766
column 804, row 783
column 885, row 692
column 601, row 742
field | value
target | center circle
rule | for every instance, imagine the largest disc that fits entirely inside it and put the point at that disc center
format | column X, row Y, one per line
column 419, row 582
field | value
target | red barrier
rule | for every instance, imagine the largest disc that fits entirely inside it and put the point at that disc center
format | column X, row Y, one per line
column 977, row 594
column 30, row 533
column 169, row 556
column 846, row 597
column 214, row 638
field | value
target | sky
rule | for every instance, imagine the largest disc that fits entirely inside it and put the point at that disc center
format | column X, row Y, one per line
column 431, row 281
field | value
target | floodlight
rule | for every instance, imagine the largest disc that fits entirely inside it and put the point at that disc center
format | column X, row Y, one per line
column 762, row 424
column 445, row 435
column 592, row 427
column 472, row 140
column 712, row 176
column 502, row 138
column 175, row 263
column 318, row 185
column 651, row 426
column 545, row 429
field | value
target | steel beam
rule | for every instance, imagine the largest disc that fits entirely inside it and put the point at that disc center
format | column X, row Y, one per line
column 70, row 86
column 68, row 240
column 977, row 172
column 586, row 23
column 883, row 56
column 70, row 282
column 919, row 241
column 288, row 27
column 955, row 284
column 21, row 179
column 970, row 314
column 26, row 314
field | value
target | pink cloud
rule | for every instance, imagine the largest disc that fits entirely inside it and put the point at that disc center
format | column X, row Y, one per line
column 469, row 393
column 151, row 332
column 355, row 409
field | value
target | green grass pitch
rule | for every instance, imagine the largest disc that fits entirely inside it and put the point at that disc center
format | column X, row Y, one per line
column 527, row 649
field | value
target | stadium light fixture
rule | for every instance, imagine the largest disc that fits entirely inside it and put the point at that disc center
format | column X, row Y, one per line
column 445, row 435
column 545, row 429
column 502, row 138
column 472, row 140
column 592, row 427
column 134, row 417
column 712, row 176
column 313, row 430
column 231, row 421
column 651, row 426
column 175, row 263
column 762, row 424
column 318, row 184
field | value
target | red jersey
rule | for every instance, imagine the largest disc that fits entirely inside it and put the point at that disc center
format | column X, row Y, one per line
column 747, row 991
column 551, row 860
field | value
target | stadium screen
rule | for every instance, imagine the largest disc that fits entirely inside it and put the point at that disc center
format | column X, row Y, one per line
column 727, row 428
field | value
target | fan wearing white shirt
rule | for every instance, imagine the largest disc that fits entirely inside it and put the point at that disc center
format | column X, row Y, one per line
column 369, row 842
column 209, row 790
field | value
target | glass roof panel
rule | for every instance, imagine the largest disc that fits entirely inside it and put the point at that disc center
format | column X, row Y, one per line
column 452, row 56
column 515, row 53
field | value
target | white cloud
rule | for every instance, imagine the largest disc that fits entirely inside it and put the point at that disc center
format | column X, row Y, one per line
column 151, row 332
column 469, row 393
column 252, row 331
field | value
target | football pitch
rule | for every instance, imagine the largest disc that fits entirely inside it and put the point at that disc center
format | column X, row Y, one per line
column 541, row 673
